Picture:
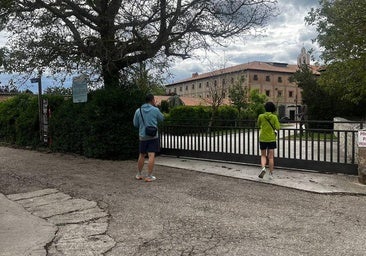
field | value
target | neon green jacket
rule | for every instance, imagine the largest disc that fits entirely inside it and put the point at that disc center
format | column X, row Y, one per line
column 266, row 131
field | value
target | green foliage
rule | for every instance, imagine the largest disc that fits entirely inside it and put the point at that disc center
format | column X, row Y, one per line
column 200, row 116
column 197, row 115
column 164, row 106
column 175, row 101
column 19, row 120
column 319, row 103
column 227, row 116
column 108, row 37
column 345, row 83
column 324, row 102
column 341, row 32
column 101, row 128
column 238, row 95
column 67, row 127
column 58, row 90
column 255, row 107
column 341, row 28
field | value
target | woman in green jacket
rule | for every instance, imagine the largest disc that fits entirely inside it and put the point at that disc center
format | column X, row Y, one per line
column 268, row 124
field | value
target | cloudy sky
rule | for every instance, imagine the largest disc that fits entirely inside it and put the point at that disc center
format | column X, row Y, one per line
column 283, row 39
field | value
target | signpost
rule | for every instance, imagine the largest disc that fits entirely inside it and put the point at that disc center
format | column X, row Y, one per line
column 40, row 108
column 362, row 139
column 362, row 156
column 80, row 89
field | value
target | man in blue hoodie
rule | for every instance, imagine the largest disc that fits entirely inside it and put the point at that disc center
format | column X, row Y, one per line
column 147, row 115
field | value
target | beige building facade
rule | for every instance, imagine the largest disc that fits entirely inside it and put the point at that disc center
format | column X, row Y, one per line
column 270, row 78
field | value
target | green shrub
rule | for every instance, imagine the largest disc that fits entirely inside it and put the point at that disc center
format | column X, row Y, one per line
column 19, row 120
column 67, row 127
column 227, row 116
column 196, row 115
column 101, row 128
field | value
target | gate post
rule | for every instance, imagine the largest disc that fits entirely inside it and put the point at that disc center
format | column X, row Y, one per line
column 362, row 156
column 362, row 165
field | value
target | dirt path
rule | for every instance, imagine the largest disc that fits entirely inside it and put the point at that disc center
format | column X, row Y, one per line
column 190, row 213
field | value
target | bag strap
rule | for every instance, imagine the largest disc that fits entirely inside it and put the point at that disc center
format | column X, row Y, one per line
column 270, row 124
column 142, row 116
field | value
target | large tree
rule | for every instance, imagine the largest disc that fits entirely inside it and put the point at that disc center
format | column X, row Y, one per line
column 238, row 94
column 320, row 105
column 111, row 35
column 341, row 26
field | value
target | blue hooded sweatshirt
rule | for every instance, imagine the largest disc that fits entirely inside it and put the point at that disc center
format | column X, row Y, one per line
column 152, row 116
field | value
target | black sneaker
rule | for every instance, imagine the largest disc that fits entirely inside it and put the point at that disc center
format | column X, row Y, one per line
column 263, row 172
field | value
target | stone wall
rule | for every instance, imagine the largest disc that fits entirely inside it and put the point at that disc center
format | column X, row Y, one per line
column 342, row 140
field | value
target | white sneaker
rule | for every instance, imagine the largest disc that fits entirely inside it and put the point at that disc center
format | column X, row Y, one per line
column 139, row 176
column 150, row 178
column 270, row 176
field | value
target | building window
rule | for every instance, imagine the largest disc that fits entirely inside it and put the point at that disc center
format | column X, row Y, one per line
column 175, row 90
column 255, row 78
column 186, row 87
column 223, row 81
column 207, row 84
column 280, row 79
column 215, row 83
column 290, row 94
column 199, row 85
column 279, row 93
column 268, row 78
column 232, row 80
column 192, row 86
column 268, row 93
column 170, row 91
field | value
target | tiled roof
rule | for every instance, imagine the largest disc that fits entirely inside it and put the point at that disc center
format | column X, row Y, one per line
column 188, row 101
column 255, row 65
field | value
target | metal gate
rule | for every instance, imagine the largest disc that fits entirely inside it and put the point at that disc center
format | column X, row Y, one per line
column 317, row 149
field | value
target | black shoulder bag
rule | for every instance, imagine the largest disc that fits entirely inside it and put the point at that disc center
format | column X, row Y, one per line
column 275, row 132
column 149, row 130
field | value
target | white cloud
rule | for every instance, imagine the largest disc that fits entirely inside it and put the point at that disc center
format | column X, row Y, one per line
column 3, row 38
column 283, row 39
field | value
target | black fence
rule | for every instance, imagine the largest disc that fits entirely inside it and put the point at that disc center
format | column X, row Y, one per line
column 318, row 147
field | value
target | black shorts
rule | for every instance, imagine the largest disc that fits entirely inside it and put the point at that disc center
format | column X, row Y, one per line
column 267, row 145
column 147, row 146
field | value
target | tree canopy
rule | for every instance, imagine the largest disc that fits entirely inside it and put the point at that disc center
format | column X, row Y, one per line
column 108, row 36
column 341, row 27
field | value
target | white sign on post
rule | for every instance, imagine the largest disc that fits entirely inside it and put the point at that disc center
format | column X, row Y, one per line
column 362, row 139
column 80, row 89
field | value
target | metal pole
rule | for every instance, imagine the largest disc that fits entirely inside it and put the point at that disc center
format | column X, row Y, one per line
column 40, row 107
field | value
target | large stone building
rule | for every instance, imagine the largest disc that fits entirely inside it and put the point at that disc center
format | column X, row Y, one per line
column 270, row 78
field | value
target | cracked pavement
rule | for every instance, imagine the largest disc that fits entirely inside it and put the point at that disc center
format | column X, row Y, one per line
column 183, row 212
column 80, row 224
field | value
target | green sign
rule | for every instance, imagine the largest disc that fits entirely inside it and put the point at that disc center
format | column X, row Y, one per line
column 80, row 89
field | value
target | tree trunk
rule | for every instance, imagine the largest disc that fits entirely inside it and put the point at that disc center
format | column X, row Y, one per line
column 110, row 74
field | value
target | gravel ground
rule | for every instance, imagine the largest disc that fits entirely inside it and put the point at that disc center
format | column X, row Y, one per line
column 190, row 213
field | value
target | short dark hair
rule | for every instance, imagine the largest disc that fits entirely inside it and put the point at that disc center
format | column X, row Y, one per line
column 270, row 107
column 149, row 98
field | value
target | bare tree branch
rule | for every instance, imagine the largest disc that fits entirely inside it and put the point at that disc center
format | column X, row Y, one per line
column 112, row 35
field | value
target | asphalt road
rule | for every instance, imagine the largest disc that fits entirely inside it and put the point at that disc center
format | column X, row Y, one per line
column 190, row 213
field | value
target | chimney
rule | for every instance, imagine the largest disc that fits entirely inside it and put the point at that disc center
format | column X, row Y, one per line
column 195, row 74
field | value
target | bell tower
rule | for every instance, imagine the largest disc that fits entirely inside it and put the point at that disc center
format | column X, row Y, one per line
column 303, row 58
